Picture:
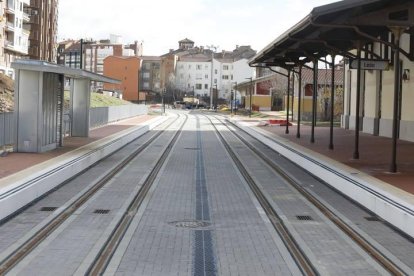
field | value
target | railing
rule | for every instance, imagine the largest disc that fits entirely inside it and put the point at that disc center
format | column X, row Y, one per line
column 98, row 116
column 7, row 129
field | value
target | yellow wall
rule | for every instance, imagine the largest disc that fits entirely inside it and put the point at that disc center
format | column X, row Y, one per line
column 264, row 102
column 306, row 104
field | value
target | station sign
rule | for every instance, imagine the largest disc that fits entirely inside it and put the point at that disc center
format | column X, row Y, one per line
column 370, row 64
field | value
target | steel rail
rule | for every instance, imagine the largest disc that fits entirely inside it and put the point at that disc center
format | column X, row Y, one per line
column 293, row 247
column 376, row 254
column 31, row 243
column 102, row 260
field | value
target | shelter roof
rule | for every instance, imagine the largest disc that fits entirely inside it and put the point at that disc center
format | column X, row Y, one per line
column 43, row 66
column 334, row 29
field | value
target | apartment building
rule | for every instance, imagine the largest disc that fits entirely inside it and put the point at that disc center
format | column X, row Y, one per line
column 203, row 70
column 16, row 34
column 43, row 26
column 125, row 69
column 150, row 77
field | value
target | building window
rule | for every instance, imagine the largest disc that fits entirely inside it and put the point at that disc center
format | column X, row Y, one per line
column 225, row 77
column 205, row 86
column 198, row 86
column 225, row 67
column 215, row 80
column 206, row 77
column 215, row 71
column 308, row 90
column 199, row 67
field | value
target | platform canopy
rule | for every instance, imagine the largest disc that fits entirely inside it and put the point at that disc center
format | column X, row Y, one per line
column 336, row 29
column 43, row 66
column 39, row 111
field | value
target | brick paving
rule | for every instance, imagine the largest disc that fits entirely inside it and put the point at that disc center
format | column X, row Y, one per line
column 374, row 151
column 17, row 161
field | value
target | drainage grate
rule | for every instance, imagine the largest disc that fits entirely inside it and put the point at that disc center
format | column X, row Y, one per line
column 373, row 218
column 48, row 209
column 192, row 148
column 304, row 217
column 101, row 211
column 190, row 223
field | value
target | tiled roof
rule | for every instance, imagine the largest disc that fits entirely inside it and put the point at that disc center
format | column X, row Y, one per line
column 324, row 76
column 186, row 40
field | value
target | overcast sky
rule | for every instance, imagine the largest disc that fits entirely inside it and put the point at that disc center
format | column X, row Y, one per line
column 160, row 24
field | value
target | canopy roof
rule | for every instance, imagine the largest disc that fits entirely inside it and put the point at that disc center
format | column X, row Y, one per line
column 335, row 29
column 43, row 66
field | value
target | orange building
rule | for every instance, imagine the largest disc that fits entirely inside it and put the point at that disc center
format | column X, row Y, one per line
column 125, row 69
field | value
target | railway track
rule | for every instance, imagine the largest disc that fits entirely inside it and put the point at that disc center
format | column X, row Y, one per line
column 28, row 245
column 298, row 255
column 289, row 240
column 101, row 262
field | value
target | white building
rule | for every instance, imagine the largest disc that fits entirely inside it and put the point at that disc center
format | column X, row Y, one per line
column 377, row 95
column 203, row 71
column 194, row 74
column 16, row 36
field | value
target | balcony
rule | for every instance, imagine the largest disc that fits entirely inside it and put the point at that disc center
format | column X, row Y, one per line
column 26, row 17
column 10, row 7
column 9, row 26
column 9, row 45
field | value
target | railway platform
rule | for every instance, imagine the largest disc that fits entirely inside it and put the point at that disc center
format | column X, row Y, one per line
column 199, row 217
column 373, row 162
column 27, row 176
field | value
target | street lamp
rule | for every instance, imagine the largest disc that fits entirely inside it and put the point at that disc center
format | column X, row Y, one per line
column 193, row 98
column 234, row 96
column 215, row 96
column 164, row 90
column 250, row 95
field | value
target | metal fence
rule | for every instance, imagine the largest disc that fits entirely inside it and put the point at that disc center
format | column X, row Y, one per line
column 7, row 130
column 98, row 116
column 103, row 115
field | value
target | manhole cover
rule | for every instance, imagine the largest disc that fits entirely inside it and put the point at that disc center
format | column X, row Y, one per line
column 304, row 217
column 373, row 218
column 48, row 209
column 101, row 211
column 190, row 223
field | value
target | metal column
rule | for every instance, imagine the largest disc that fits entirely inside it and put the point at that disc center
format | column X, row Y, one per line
column 287, row 104
column 358, row 100
column 395, row 123
column 331, row 146
column 299, row 101
column 314, row 98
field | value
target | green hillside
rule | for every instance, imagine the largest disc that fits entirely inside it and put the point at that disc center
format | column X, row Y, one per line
column 99, row 100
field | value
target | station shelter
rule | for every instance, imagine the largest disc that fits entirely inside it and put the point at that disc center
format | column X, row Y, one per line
column 376, row 40
column 39, row 98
